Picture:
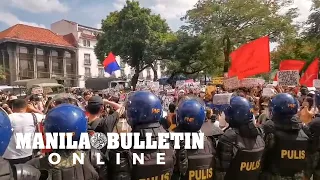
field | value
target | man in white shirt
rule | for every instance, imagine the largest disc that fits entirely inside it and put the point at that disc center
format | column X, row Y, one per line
column 21, row 122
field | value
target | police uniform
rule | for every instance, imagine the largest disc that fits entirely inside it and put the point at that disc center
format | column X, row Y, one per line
column 69, row 118
column 286, row 141
column 240, row 148
column 193, row 164
column 144, row 111
column 20, row 171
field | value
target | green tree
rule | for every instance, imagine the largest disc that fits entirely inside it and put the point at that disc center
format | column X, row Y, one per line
column 228, row 24
column 187, row 55
column 304, row 47
column 136, row 35
column 299, row 48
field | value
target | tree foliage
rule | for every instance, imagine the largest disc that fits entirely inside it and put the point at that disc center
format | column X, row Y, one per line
column 306, row 45
column 136, row 35
column 231, row 23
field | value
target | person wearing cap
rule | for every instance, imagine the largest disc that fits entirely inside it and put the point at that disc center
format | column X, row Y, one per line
column 95, row 108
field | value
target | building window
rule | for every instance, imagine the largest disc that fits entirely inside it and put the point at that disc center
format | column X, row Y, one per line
column 86, row 43
column 23, row 50
column 87, row 72
column 87, row 60
column 101, row 72
column 67, row 55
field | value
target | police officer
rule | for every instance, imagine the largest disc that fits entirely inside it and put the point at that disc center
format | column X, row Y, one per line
column 199, row 164
column 286, row 142
column 19, row 171
column 144, row 111
column 240, row 148
column 69, row 118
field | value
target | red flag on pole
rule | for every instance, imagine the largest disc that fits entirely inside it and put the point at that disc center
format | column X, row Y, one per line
column 251, row 59
column 290, row 65
column 310, row 74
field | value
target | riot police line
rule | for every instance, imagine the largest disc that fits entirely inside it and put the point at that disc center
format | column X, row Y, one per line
column 280, row 149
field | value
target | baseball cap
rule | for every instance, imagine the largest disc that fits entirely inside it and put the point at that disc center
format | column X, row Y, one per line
column 95, row 101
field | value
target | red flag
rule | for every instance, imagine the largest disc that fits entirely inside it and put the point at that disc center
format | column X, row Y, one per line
column 290, row 65
column 251, row 59
column 310, row 74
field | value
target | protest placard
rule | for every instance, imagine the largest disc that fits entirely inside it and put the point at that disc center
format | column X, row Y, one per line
column 316, row 83
column 221, row 99
column 288, row 78
column 251, row 82
column 231, row 83
column 180, row 84
column 217, row 80
column 155, row 86
column 268, row 92
column 37, row 90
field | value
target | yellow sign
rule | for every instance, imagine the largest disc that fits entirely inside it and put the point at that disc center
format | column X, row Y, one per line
column 217, row 80
column 209, row 90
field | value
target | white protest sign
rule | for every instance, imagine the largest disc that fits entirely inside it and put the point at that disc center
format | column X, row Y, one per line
column 155, row 86
column 288, row 78
column 231, row 83
column 251, row 82
column 180, row 84
column 221, row 99
column 37, row 90
column 268, row 92
column 316, row 83
column 171, row 91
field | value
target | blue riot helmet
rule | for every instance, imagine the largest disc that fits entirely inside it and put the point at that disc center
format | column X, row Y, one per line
column 66, row 118
column 190, row 115
column 143, row 107
column 239, row 111
column 5, row 132
column 283, row 105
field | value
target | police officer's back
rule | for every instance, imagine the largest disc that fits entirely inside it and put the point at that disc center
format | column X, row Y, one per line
column 190, row 118
column 286, row 142
column 67, row 118
column 240, row 148
column 19, row 171
column 144, row 111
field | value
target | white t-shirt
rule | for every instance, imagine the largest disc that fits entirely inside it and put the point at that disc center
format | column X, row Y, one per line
column 21, row 123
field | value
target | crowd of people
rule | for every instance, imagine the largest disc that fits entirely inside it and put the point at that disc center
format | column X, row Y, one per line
column 252, row 137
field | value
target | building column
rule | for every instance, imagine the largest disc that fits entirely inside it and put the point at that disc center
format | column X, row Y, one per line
column 35, row 67
column 64, row 64
column 50, row 63
column 13, row 62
